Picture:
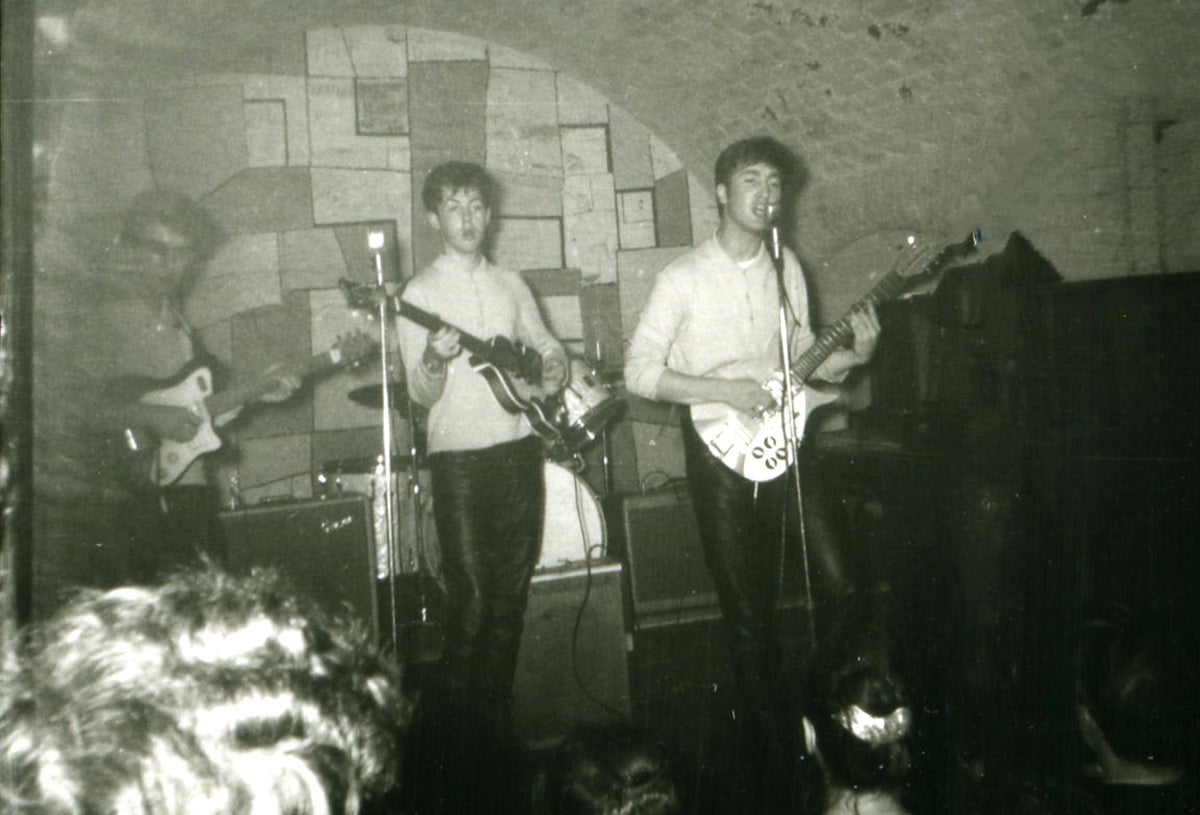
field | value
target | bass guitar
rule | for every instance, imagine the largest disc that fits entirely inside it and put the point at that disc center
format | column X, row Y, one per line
column 512, row 371
column 163, row 461
column 755, row 446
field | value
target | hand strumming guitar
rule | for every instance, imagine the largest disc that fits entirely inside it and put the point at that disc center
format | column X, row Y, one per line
column 166, row 421
column 747, row 395
column 554, row 373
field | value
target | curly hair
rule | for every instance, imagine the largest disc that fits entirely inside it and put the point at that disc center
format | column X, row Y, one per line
column 207, row 694
column 610, row 771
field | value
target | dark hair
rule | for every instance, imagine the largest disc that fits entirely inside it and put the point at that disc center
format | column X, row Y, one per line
column 604, row 771
column 452, row 176
column 861, row 677
column 757, row 150
column 177, row 212
column 207, row 691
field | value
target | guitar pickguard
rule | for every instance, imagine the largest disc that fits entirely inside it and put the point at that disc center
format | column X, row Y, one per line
column 174, row 457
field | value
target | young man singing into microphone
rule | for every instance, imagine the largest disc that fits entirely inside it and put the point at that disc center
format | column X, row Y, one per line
column 710, row 332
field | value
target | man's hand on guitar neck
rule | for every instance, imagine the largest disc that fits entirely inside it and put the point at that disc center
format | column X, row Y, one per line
column 441, row 346
column 285, row 384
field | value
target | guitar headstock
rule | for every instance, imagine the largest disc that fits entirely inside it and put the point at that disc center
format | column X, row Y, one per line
column 919, row 257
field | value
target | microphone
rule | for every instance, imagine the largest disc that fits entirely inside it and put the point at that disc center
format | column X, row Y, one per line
column 774, row 244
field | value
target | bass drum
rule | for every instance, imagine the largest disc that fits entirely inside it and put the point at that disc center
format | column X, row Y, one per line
column 573, row 525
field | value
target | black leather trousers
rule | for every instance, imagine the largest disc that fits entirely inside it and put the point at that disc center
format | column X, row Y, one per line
column 740, row 535
column 488, row 507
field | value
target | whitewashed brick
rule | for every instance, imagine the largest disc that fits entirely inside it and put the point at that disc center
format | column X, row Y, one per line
column 584, row 150
column 266, row 139
column 327, row 53
column 527, row 243
column 590, row 227
column 522, row 123
column 377, row 51
column 580, row 104
column 635, row 210
column 425, row 45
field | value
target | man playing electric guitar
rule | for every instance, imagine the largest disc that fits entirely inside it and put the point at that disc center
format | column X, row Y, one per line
column 133, row 328
column 709, row 333
column 486, row 465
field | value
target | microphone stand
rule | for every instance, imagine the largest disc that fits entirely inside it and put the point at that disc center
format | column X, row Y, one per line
column 791, row 437
column 375, row 243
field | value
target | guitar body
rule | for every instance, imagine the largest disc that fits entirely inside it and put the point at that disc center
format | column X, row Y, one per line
column 190, row 390
column 517, row 396
column 755, row 446
column 160, row 462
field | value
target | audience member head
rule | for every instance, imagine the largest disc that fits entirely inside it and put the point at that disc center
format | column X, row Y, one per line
column 207, row 694
column 607, row 772
column 453, row 176
column 1135, row 700
column 859, row 720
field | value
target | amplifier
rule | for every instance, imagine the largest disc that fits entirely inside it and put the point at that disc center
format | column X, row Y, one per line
column 668, row 578
column 323, row 547
column 573, row 666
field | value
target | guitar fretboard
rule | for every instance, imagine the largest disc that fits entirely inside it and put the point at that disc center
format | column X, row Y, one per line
column 892, row 284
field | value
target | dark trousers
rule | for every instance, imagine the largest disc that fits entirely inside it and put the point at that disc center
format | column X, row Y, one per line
column 488, row 507
column 740, row 532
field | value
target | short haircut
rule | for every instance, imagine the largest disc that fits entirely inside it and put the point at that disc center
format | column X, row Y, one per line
column 452, row 176
column 757, row 150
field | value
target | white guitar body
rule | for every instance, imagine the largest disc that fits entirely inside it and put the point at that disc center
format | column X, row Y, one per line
column 755, row 447
column 174, row 457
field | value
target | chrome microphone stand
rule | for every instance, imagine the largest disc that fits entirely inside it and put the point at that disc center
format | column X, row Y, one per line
column 375, row 242
column 791, row 437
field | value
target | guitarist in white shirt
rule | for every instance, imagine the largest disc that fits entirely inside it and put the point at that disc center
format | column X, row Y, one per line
column 709, row 333
column 134, row 330
column 485, row 462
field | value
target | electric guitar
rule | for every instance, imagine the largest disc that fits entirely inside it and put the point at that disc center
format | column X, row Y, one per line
column 755, row 446
column 163, row 461
column 512, row 371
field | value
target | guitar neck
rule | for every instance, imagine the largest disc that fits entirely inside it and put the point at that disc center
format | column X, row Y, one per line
column 891, row 285
column 497, row 352
column 432, row 322
column 242, row 395
column 833, row 336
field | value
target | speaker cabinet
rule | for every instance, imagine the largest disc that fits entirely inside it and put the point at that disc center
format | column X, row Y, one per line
column 573, row 666
column 323, row 548
column 668, row 578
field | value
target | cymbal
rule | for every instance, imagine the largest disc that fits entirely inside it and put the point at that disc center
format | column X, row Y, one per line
column 372, row 396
